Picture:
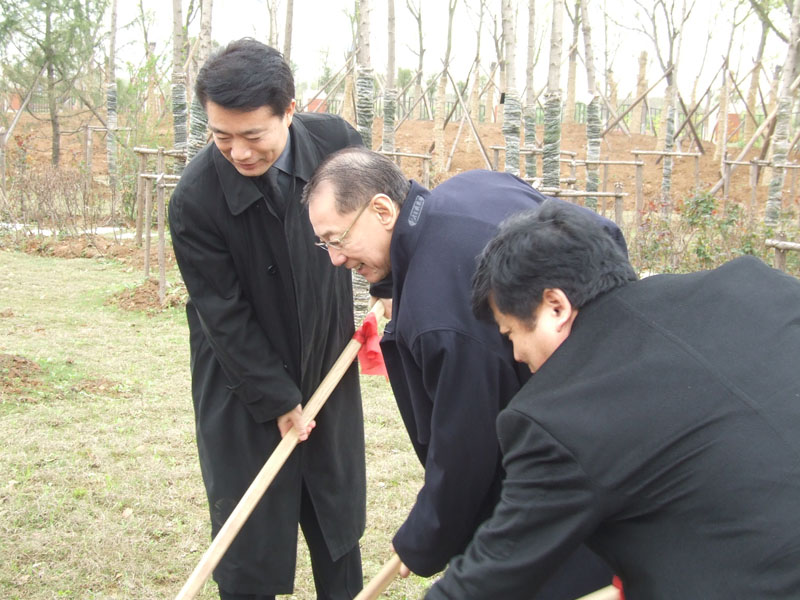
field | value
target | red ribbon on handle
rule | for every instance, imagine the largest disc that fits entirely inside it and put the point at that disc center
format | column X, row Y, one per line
column 617, row 583
column 369, row 356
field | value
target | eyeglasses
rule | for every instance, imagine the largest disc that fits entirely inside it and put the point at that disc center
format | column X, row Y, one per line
column 338, row 243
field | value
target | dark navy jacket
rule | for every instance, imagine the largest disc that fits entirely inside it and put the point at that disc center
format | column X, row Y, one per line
column 451, row 374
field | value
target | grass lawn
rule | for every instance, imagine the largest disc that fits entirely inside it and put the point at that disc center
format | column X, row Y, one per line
column 101, row 495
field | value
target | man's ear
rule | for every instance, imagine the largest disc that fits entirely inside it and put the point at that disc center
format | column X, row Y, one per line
column 385, row 210
column 557, row 307
column 287, row 116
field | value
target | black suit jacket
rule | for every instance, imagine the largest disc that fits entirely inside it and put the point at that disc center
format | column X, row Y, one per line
column 664, row 433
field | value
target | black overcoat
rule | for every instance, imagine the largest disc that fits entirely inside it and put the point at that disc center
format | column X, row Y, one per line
column 268, row 315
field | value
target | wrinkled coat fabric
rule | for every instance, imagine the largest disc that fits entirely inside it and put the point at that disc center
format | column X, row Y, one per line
column 452, row 374
column 665, row 434
column 268, row 315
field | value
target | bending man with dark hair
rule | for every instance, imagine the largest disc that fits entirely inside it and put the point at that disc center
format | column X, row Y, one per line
column 661, row 427
column 451, row 374
column 268, row 315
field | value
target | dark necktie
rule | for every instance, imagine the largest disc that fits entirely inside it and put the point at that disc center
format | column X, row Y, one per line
column 279, row 190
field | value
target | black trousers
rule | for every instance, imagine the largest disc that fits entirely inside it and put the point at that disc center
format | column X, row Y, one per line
column 333, row 579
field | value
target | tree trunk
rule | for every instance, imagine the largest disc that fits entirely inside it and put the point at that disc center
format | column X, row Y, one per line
column 594, row 127
column 724, row 99
column 666, row 176
column 569, row 110
column 52, row 102
column 669, row 130
column 474, row 97
column 389, row 93
column 641, row 88
column 416, row 12
column 512, row 113
column 272, row 7
column 348, row 112
column 440, row 151
column 780, row 142
column 287, row 35
column 722, row 121
column 488, row 101
column 530, row 94
column 364, row 85
column 179, row 110
column 198, row 120
column 749, row 124
column 111, row 111
column 551, row 150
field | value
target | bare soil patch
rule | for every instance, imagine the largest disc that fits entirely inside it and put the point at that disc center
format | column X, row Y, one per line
column 144, row 297
column 95, row 246
column 18, row 376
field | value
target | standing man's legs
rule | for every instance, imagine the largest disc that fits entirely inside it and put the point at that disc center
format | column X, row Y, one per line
column 334, row 580
column 223, row 595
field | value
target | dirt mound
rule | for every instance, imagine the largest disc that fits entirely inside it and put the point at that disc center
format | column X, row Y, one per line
column 94, row 246
column 18, row 376
column 145, row 298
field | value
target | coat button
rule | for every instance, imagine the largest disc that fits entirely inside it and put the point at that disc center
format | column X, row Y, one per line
column 272, row 270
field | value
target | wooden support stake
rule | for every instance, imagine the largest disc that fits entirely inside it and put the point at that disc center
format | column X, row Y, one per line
column 160, row 211
column 639, row 191
column 766, row 123
column 140, row 191
column 148, row 209
column 469, row 119
column 633, row 105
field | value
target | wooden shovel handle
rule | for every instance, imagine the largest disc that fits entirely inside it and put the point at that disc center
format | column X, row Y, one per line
column 606, row 593
column 247, row 504
column 382, row 580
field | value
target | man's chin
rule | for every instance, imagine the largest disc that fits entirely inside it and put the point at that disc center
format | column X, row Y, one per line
column 250, row 171
column 371, row 275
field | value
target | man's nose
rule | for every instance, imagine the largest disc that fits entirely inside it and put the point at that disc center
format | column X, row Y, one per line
column 337, row 256
column 240, row 150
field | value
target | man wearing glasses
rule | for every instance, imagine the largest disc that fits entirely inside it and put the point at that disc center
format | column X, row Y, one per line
column 268, row 315
column 451, row 374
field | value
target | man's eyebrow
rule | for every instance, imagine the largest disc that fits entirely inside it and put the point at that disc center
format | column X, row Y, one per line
column 247, row 132
column 325, row 235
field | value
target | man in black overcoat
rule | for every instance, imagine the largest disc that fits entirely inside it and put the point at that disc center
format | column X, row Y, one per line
column 661, row 427
column 451, row 373
column 268, row 315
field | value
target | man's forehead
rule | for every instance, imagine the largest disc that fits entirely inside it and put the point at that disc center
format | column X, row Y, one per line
column 322, row 209
column 225, row 120
column 323, row 197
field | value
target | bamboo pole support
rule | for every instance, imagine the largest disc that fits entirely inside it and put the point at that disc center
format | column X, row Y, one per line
column 764, row 125
column 252, row 496
column 148, row 223
column 161, row 214
column 382, row 580
column 140, row 199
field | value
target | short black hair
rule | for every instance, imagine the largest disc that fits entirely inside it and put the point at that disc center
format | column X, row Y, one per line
column 246, row 75
column 357, row 174
column 557, row 246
